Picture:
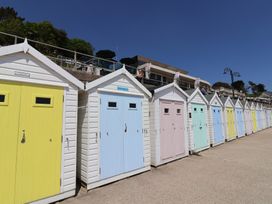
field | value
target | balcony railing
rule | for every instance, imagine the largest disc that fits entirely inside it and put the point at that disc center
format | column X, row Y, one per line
column 70, row 59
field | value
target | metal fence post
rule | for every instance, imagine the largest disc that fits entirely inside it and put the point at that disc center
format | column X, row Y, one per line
column 75, row 59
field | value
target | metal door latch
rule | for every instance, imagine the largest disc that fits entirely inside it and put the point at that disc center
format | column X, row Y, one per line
column 23, row 140
column 125, row 127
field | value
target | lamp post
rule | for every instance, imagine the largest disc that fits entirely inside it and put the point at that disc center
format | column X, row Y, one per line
column 233, row 74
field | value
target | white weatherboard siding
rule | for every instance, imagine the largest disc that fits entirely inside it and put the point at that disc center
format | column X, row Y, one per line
column 18, row 65
column 89, row 128
column 169, row 94
column 70, row 140
column 24, row 68
column 82, row 136
column 198, row 100
column 210, row 126
column 154, row 120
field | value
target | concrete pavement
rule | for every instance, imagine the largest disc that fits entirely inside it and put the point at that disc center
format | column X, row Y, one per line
column 235, row 172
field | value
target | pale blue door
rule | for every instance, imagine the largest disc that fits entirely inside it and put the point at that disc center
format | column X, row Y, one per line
column 133, row 138
column 121, row 143
column 112, row 136
column 217, row 125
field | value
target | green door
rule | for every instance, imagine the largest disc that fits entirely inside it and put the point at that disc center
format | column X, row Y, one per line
column 199, row 126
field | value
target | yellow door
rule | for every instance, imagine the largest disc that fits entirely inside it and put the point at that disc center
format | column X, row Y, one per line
column 229, row 124
column 39, row 143
column 233, row 124
column 253, row 113
column 9, row 119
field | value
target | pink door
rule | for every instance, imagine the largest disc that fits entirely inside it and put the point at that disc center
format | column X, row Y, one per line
column 172, row 129
column 167, row 129
column 179, row 137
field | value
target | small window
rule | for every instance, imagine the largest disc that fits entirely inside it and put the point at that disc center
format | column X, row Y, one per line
column 112, row 104
column 190, row 115
column 194, row 109
column 201, row 109
column 43, row 100
column 2, row 98
column 166, row 110
column 178, row 111
column 132, row 105
column 218, row 111
column 214, row 111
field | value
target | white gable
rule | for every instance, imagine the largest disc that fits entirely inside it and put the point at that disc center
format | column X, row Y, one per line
column 229, row 103
column 170, row 93
column 197, row 97
column 252, row 106
column 258, row 106
column 215, row 101
column 118, row 81
column 23, row 63
column 247, row 106
column 238, row 104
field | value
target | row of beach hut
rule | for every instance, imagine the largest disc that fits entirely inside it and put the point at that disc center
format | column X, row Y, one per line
column 54, row 128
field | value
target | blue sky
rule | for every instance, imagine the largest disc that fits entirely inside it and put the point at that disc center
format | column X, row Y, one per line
column 202, row 37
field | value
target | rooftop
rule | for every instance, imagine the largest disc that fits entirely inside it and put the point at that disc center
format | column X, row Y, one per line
column 148, row 60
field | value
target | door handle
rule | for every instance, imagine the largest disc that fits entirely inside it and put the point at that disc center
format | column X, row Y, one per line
column 125, row 127
column 23, row 140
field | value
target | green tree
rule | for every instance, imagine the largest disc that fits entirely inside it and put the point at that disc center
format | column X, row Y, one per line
column 239, row 85
column 10, row 23
column 80, row 45
column 221, row 84
column 47, row 33
column 44, row 32
column 105, row 54
column 128, row 61
column 8, row 13
column 257, row 89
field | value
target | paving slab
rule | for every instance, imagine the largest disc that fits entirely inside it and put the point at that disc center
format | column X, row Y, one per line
column 239, row 171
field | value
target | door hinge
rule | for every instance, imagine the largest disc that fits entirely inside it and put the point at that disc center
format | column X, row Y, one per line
column 61, row 138
column 99, row 170
column 100, row 135
column 60, row 181
column 63, row 98
column 143, row 159
column 100, row 100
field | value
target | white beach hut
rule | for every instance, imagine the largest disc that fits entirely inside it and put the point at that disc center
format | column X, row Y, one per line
column 38, row 127
column 168, row 124
column 216, row 119
column 114, row 129
column 198, row 121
